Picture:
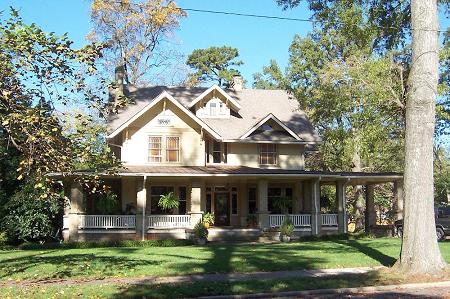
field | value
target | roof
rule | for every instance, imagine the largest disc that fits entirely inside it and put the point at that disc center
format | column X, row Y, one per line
column 255, row 104
column 244, row 171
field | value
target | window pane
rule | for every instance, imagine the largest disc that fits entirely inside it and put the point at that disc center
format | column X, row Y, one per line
column 173, row 149
column 234, row 204
column 208, row 202
column 252, row 200
column 217, row 152
column 182, row 197
column 213, row 109
column 154, row 146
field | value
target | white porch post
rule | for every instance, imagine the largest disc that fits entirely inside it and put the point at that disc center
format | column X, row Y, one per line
column 76, row 206
column 141, row 201
column 342, row 210
column 316, row 220
column 398, row 199
column 197, row 192
column 263, row 205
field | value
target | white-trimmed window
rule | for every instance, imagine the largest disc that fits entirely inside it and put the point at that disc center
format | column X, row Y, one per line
column 172, row 149
column 268, row 154
column 155, row 149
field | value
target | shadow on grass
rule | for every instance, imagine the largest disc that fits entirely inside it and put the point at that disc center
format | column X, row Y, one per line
column 373, row 253
column 202, row 288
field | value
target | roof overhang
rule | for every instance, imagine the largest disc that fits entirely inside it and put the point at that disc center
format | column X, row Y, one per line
column 162, row 96
column 264, row 120
column 231, row 101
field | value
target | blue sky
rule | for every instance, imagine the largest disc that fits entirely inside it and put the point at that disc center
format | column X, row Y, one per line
column 258, row 40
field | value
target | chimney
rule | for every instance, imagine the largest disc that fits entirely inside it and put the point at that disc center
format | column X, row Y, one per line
column 120, row 76
column 238, row 83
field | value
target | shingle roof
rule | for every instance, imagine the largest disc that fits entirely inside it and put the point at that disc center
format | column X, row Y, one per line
column 256, row 104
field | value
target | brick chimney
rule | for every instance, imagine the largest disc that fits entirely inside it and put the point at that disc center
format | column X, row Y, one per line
column 238, row 83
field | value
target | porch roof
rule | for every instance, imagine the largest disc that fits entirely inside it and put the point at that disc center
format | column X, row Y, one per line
column 243, row 171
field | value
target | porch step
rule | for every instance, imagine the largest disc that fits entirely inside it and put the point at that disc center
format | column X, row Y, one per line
column 234, row 234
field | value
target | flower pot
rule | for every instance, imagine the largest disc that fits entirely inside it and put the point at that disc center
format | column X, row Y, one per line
column 207, row 225
column 285, row 238
column 201, row 241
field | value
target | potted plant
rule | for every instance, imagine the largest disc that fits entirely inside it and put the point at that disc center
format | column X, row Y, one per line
column 168, row 201
column 286, row 229
column 208, row 220
column 252, row 221
column 200, row 233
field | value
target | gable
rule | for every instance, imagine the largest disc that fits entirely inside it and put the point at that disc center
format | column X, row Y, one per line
column 214, row 95
column 161, row 103
column 270, row 128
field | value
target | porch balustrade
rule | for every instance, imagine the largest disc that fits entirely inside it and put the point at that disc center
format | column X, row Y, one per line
column 169, row 221
column 299, row 220
column 329, row 219
column 107, row 221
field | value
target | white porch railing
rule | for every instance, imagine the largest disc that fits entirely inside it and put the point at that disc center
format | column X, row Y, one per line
column 169, row 221
column 299, row 220
column 107, row 221
column 329, row 219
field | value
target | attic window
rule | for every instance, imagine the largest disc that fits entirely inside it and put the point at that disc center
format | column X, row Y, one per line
column 213, row 109
column 266, row 127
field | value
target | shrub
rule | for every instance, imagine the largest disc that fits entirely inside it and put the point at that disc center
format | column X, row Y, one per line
column 30, row 217
column 252, row 220
column 200, row 231
column 168, row 201
column 108, row 204
column 208, row 219
column 287, row 228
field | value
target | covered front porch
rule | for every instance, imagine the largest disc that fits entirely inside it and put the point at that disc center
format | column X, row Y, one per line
column 241, row 199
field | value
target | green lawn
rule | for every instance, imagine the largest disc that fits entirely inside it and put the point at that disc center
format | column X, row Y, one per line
column 167, row 261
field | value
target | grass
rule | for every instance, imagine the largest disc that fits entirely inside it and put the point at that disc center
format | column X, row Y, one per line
column 214, row 258
column 196, row 289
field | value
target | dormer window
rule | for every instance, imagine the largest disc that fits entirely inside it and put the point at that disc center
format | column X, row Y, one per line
column 212, row 109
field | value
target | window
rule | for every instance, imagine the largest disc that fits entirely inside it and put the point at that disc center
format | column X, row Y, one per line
column 268, row 154
column 173, row 149
column 274, row 194
column 155, row 194
column 234, row 203
column 208, row 200
column 217, row 152
column 221, row 108
column 252, row 201
column 182, row 199
column 207, row 151
column 154, row 149
column 212, row 109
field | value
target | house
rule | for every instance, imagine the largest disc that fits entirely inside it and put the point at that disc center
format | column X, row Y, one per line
column 231, row 152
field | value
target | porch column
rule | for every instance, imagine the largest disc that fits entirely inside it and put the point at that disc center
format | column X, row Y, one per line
column 76, row 207
column 342, row 209
column 297, row 203
column 198, row 187
column 141, row 202
column 370, row 215
column 398, row 199
column 316, row 219
column 263, row 205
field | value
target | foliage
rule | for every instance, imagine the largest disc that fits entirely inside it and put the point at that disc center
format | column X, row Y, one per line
column 282, row 204
column 108, row 203
column 40, row 72
column 200, row 231
column 137, row 35
column 252, row 220
column 208, row 219
column 214, row 64
column 168, row 201
column 441, row 176
column 287, row 227
column 271, row 77
column 30, row 215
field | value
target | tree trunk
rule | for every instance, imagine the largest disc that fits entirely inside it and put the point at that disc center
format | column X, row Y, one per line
column 420, row 252
column 358, row 198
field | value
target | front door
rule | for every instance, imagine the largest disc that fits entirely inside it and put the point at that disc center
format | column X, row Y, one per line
column 222, row 209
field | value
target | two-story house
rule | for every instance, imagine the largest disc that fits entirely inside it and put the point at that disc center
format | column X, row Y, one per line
column 230, row 152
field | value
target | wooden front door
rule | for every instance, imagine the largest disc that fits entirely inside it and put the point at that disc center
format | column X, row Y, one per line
column 222, row 209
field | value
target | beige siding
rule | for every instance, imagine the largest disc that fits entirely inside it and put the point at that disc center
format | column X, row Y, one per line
column 135, row 141
column 290, row 156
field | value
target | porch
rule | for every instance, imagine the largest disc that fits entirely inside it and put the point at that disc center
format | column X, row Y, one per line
column 241, row 202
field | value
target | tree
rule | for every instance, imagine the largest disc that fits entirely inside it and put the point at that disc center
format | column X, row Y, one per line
column 38, row 72
column 137, row 35
column 271, row 77
column 214, row 64
column 420, row 252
